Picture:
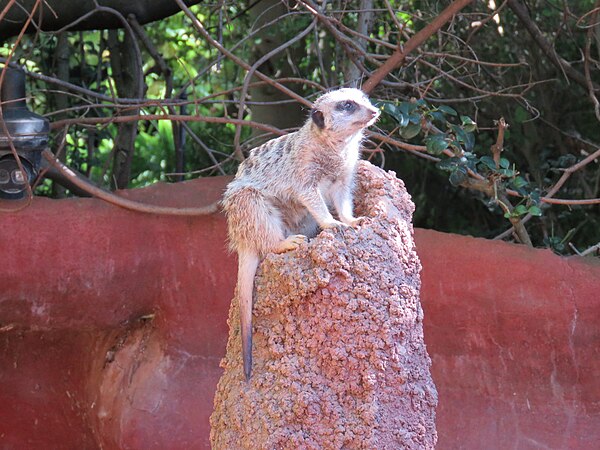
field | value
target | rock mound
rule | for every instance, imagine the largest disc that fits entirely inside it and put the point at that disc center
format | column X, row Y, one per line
column 339, row 357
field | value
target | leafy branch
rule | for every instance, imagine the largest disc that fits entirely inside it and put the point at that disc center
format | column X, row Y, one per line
column 450, row 137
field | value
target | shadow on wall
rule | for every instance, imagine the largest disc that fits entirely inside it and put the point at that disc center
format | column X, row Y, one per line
column 112, row 326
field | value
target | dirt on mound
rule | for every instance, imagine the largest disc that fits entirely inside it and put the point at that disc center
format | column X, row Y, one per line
column 339, row 357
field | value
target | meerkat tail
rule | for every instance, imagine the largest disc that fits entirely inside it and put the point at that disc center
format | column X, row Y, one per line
column 248, row 263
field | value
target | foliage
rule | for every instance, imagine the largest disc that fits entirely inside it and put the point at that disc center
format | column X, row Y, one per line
column 446, row 100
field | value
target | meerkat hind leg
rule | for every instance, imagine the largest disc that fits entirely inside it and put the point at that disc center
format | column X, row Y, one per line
column 291, row 242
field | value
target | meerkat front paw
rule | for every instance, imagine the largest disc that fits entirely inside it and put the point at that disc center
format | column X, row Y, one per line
column 354, row 221
column 291, row 242
column 333, row 224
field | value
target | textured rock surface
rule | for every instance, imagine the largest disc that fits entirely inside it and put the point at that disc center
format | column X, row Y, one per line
column 339, row 357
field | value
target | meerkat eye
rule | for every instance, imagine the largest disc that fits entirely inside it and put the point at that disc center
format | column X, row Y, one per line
column 348, row 106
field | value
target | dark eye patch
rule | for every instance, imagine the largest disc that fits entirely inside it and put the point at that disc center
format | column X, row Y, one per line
column 348, row 106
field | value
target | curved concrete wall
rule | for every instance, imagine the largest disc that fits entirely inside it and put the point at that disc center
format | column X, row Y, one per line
column 112, row 325
column 515, row 341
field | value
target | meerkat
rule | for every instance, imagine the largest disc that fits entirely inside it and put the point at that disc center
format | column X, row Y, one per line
column 282, row 192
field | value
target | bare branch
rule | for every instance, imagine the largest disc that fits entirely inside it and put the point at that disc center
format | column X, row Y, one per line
column 121, row 119
column 122, row 202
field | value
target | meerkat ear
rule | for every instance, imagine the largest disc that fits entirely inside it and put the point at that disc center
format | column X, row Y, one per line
column 318, row 118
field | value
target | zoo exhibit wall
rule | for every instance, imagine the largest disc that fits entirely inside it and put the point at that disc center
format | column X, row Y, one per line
column 113, row 324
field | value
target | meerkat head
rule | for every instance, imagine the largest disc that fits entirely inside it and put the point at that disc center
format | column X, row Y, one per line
column 343, row 112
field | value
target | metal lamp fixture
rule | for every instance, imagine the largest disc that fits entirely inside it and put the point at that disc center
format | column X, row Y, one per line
column 28, row 133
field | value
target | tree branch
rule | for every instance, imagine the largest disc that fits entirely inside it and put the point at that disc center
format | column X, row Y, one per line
column 121, row 119
column 200, row 28
column 418, row 39
column 87, row 186
column 522, row 14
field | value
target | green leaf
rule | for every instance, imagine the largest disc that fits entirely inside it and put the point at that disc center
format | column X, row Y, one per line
column 448, row 165
column 402, row 120
column 566, row 160
column 535, row 210
column 471, row 161
column 555, row 242
column 535, row 196
column 520, row 210
column 407, row 108
column 155, row 89
column 388, row 108
column 521, row 115
column 456, row 145
column 436, row 144
column 396, row 113
column 489, row 162
column 504, row 163
column 460, row 134
column 414, row 118
column 447, row 110
column 410, row 131
column 436, row 115
column 458, row 176
column 468, row 124
column 469, row 141
column 519, row 182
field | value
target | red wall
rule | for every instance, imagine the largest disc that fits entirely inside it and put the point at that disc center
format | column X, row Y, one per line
column 112, row 325
column 514, row 335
